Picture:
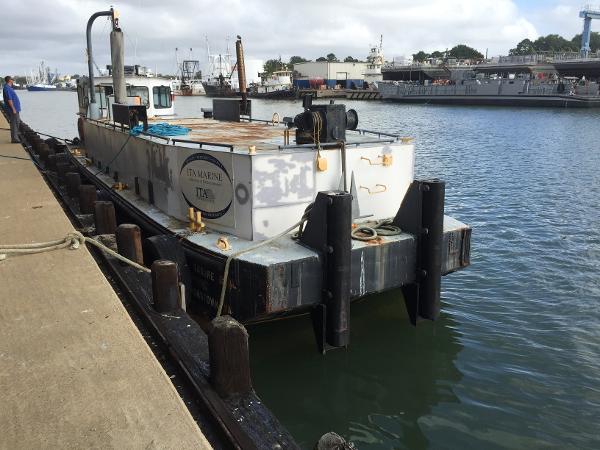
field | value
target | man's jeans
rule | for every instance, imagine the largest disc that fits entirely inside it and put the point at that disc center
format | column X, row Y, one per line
column 15, row 120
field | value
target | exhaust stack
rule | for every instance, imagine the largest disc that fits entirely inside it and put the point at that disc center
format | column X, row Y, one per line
column 117, row 56
column 239, row 50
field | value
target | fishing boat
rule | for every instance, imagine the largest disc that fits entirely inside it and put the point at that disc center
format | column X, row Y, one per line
column 220, row 81
column 268, row 217
column 41, row 79
column 188, row 82
column 276, row 85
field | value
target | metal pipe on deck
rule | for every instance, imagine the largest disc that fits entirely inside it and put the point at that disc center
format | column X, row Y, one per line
column 88, row 35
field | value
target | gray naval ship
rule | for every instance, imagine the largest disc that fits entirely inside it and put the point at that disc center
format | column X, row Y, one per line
column 524, row 91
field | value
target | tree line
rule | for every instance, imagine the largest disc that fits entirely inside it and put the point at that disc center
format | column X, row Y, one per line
column 460, row 51
column 554, row 43
column 549, row 43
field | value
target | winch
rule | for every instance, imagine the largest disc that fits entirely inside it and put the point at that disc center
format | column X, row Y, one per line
column 321, row 124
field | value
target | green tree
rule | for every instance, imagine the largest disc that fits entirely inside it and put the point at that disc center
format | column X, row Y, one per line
column 331, row 57
column 554, row 43
column 463, row 51
column 437, row 54
column 20, row 80
column 525, row 47
column 350, row 59
column 421, row 56
column 297, row 60
column 272, row 65
column 321, row 58
column 594, row 41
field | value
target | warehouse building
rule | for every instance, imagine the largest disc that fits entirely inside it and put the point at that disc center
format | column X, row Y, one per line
column 345, row 75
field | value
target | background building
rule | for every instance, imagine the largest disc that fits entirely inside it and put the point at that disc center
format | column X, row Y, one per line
column 346, row 75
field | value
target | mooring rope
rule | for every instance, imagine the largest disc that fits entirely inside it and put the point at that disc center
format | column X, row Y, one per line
column 231, row 257
column 381, row 228
column 72, row 240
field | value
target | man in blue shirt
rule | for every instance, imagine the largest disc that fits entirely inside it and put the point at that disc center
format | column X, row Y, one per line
column 13, row 106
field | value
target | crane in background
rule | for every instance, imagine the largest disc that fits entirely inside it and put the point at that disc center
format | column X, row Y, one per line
column 587, row 14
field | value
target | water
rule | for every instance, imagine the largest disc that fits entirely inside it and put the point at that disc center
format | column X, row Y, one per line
column 514, row 361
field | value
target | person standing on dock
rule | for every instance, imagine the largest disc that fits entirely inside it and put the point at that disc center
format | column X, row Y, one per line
column 13, row 107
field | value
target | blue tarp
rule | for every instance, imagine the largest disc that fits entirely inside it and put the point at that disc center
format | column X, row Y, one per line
column 161, row 129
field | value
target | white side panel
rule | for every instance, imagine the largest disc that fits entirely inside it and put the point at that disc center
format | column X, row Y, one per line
column 242, row 195
column 268, row 222
column 380, row 188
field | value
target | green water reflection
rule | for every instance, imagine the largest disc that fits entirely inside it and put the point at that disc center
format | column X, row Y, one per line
column 349, row 390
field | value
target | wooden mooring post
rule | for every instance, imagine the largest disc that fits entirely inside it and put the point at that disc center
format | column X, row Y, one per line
column 87, row 198
column 129, row 242
column 105, row 217
column 165, row 286
column 73, row 183
column 229, row 357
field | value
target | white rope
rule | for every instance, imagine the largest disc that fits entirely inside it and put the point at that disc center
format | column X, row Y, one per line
column 254, row 247
column 73, row 241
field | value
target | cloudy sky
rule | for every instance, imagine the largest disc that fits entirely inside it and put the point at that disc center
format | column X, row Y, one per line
column 54, row 30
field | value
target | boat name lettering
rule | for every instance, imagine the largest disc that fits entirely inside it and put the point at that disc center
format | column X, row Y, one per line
column 204, row 174
column 206, row 185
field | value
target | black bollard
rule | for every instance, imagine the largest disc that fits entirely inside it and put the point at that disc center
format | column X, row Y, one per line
column 87, row 198
column 165, row 286
column 432, row 240
column 104, row 215
column 129, row 242
column 229, row 357
column 73, row 183
column 339, row 242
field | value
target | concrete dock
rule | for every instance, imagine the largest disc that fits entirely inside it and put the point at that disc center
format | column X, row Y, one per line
column 74, row 370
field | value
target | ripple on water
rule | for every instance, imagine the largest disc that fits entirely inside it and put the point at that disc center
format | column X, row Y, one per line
column 514, row 361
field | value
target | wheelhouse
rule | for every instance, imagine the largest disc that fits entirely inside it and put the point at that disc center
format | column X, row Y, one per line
column 154, row 93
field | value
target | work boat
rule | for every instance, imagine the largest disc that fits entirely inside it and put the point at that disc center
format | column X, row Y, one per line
column 297, row 214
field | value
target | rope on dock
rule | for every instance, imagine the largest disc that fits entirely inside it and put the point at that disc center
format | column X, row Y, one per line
column 72, row 240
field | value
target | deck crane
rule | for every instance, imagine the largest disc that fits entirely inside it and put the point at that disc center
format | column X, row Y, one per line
column 587, row 14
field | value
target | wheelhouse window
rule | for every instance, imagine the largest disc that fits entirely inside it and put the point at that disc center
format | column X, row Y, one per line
column 162, row 96
column 141, row 92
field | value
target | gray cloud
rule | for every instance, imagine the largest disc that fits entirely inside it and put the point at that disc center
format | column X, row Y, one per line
column 54, row 31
